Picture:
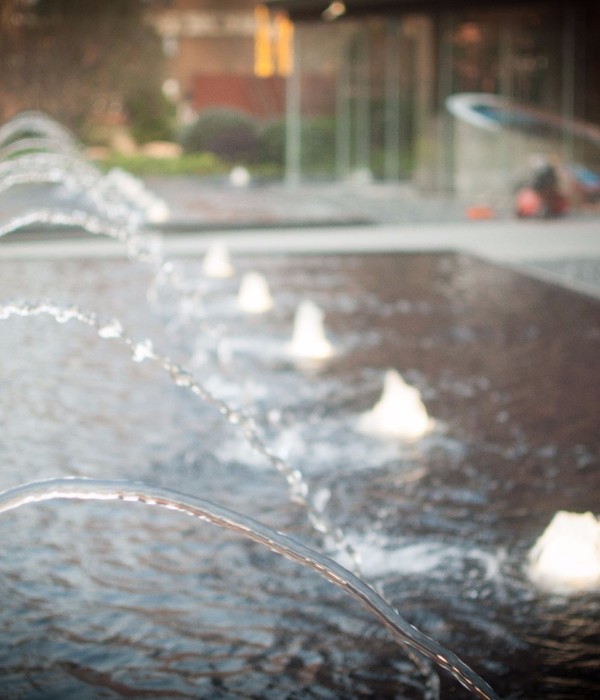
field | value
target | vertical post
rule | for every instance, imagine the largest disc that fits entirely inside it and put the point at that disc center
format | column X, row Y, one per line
column 362, row 138
column 567, row 106
column 418, row 33
column 445, row 87
column 505, row 51
column 507, row 148
column 293, row 121
column 342, row 116
column 391, row 139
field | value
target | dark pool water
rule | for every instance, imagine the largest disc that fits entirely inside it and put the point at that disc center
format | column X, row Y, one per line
column 120, row 600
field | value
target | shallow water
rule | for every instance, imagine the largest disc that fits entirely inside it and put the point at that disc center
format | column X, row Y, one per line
column 113, row 600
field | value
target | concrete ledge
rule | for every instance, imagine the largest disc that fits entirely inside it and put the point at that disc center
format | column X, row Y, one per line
column 500, row 241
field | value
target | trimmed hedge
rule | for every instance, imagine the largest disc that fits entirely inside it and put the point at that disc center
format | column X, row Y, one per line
column 227, row 133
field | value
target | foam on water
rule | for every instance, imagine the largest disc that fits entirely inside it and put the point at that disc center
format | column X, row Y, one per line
column 380, row 556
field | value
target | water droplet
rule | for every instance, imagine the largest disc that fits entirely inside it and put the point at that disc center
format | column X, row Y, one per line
column 298, row 487
column 64, row 313
column 234, row 418
column 181, row 377
column 142, row 350
column 111, row 329
column 318, row 523
column 146, row 248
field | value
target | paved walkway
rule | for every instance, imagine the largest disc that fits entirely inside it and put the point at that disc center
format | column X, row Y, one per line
column 198, row 204
column 201, row 204
column 347, row 218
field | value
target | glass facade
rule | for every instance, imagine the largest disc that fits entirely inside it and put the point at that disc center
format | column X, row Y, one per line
column 369, row 97
column 357, row 102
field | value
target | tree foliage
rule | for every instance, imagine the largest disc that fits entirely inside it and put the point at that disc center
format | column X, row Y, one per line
column 78, row 60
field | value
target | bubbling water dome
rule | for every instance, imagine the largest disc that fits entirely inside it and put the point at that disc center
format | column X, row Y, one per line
column 566, row 557
column 217, row 262
column 399, row 413
column 309, row 341
column 254, row 295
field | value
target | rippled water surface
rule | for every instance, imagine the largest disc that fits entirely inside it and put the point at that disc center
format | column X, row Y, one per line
column 108, row 600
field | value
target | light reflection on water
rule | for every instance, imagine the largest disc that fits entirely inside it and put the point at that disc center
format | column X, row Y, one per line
column 147, row 604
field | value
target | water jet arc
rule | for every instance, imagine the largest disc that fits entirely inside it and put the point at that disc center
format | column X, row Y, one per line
column 110, row 490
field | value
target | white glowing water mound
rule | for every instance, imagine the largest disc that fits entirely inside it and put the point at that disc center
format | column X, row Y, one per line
column 308, row 339
column 239, row 176
column 399, row 413
column 216, row 262
column 254, row 295
column 566, row 558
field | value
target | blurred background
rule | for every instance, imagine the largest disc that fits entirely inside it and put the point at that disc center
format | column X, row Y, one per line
column 462, row 98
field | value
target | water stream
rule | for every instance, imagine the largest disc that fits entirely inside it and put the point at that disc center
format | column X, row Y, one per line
column 116, row 218
column 405, row 634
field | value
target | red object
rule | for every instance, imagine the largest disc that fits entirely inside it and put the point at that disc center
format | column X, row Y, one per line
column 479, row 212
column 529, row 203
column 533, row 204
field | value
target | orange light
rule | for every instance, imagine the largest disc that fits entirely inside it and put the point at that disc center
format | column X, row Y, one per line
column 285, row 44
column 263, row 55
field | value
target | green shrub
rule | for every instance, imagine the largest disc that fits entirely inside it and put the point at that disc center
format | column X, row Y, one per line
column 229, row 134
column 271, row 143
column 151, row 116
column 318, row 145
column 93, row 134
